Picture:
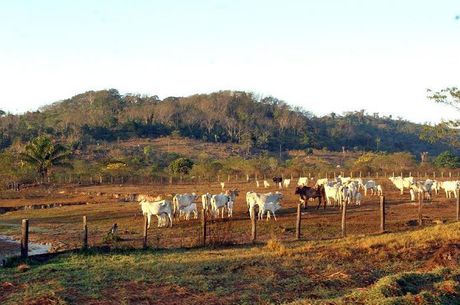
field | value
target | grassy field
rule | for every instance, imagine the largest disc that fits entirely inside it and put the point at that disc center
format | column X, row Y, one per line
column 418, row 267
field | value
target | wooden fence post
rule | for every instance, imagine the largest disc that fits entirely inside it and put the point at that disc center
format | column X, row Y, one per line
column 382, row 214
column 85, row 234
column 203, row 226
column 344, row 216
column 24, row 238
column 458, row 205
column 298, row 223
column 144, row 242
column 420, row 201
column 254, row 226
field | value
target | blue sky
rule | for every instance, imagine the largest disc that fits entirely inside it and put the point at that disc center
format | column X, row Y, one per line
column 326, row 56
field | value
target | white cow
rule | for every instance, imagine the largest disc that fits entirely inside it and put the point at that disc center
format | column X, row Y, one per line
column 450, row 187
column 269, row 202
column 423, row 188
column 322, row 181
column 333, row 192
column 352, row 191
column 224, row 202
column 266, row 184
column 182, row 200
column 370, row 185
column 286, row 183
column 302, row 181
column 436, row 186
column 206, row 201
column 188, row 210
column 402, row 183
column 343, row 180
column 160, row 209
column 222, row 185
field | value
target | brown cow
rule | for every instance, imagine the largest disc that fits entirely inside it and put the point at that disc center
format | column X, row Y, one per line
column 306, row 192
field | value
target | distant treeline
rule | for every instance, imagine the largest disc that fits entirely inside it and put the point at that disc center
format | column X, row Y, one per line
column 225, row 116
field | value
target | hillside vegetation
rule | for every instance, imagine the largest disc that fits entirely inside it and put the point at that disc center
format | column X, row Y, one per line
column 227, row 116
column 134, row 138
column 418, row 267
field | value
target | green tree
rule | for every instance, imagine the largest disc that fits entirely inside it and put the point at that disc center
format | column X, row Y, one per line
column 42, row 154
column 446, row 130
column 181, row 166
column 2, row 113
column 447, row 160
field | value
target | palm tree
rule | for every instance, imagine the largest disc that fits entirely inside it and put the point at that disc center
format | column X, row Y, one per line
column 43, row 154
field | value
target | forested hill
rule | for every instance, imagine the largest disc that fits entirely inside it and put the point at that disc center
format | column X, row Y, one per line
column 225, row 116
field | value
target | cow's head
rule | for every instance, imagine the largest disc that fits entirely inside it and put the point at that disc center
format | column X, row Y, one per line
column 298, row 190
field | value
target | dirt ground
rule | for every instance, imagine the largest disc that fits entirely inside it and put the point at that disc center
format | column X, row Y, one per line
column 55, row 216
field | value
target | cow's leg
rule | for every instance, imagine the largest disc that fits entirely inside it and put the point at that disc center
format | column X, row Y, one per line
column 149, row 217
column 274, row 215
column 268, row 215
column 170, row 220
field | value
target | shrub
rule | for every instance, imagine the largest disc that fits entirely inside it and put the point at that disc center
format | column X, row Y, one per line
column 447, row 159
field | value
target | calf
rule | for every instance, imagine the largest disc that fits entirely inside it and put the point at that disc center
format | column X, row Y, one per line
column 188, row 210
column 267, row 203
column 182, row 200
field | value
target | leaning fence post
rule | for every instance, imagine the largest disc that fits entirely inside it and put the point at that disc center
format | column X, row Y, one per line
column 24, row 238
column 298, row 223
column 203, row 226
column 85, row 233
column 420, row 201
column 382, row 214
column 144, row 242
column 344, row 215
column 253, row 225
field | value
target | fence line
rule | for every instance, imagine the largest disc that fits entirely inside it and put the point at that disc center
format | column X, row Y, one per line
column 236, row 178
column 253, row 220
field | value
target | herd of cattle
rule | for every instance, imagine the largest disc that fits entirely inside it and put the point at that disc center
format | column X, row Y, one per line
column 332, row 192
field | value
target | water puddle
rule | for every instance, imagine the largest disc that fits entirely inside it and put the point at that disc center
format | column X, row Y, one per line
column 10, row 247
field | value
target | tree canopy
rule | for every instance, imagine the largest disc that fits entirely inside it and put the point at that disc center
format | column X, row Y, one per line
column 42, row 154
column 225, row 116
